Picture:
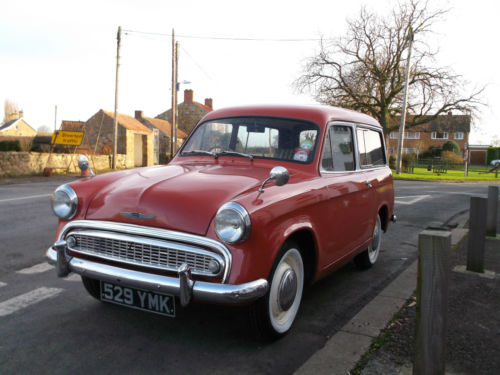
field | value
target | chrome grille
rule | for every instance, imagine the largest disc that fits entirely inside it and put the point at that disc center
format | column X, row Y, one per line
column 144, row 251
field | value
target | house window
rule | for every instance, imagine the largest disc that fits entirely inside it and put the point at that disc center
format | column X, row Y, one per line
column 412, row 135
column 437, row 135
column 458, row 135
column 410, row 150
column 408, row 135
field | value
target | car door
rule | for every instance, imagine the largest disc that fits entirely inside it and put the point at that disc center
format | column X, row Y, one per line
column 371, row 157
column 348, row 196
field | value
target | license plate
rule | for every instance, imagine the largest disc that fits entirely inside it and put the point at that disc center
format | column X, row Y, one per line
column 158, row 303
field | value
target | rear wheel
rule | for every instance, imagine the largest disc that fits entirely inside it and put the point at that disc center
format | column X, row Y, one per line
column 274, row 314
column 92, row 286
column 368, row 257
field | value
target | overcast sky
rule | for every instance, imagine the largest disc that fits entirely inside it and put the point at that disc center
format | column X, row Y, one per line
column 64, row 52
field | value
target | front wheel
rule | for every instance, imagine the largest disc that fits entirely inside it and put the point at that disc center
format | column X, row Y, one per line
column 368, row 257
column 274, row 314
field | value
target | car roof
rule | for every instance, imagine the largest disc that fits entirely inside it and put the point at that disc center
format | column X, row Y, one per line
column 320, row 114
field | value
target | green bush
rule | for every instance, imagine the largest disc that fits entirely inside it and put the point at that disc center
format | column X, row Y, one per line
column 408, row 158
column 431, row 152
column 493, row 154
column 392, row 161
column 451, row 146
column 9, row 146
column 450, row 157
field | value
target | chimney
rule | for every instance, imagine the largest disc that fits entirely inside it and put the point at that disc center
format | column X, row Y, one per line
column 139, row 115
column 188, row 96
column 21, row 114
column 209, row 103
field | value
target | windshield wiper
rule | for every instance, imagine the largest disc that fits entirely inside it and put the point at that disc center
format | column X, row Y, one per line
column 235, row 153
column 215, row 155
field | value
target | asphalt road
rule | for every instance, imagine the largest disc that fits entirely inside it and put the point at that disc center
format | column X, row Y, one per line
column 52, row 326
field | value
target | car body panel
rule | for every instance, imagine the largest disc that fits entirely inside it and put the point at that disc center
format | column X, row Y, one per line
column 337, row 209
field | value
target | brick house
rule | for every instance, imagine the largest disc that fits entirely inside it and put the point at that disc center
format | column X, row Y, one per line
column 134, row 139
column 162, row 133
column 189, row 112
column 435, row 133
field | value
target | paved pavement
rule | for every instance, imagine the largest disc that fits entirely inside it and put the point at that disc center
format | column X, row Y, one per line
column 345, row 349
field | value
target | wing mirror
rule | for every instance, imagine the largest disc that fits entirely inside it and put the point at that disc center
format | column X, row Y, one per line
column 83, row 164
column 279, row 175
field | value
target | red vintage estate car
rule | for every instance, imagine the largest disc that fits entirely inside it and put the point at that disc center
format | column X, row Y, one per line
column 258, row 202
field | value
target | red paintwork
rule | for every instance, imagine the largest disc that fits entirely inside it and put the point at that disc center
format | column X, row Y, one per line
column 338, row 209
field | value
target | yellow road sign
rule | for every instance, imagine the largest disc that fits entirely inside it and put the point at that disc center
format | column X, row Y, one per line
column 64, row 137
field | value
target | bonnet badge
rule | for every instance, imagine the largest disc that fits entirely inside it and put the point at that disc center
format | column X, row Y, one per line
column 136, row 215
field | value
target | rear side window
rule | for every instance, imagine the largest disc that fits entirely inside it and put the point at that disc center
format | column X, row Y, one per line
column 370, row 148
column 338, row 152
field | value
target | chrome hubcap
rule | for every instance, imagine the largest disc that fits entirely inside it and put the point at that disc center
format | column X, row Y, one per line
column 287, row 289
column 374, row 247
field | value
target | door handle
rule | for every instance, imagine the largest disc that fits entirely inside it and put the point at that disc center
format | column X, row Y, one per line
column 368, row 183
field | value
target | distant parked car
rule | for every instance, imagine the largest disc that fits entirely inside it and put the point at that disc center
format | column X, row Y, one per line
column 495, row 163
column 258, row 202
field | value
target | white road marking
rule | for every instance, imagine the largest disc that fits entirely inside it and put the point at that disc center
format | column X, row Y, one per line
column 27, row 197
column 2, row 284
column 459, row 193
column 24, row 300
column 405, row 201
column 37, row 268
column 73, row 277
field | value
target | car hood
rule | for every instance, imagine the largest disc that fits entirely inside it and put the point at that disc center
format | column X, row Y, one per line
column 176, row 197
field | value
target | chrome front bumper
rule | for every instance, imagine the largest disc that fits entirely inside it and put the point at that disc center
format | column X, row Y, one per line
column 183, row 287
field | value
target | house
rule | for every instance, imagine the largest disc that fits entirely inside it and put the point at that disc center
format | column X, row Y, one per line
column 72, row 125
column 434, row 133
column 162, row 136
column 17, row 127
column 189, row 112
column 133, row 139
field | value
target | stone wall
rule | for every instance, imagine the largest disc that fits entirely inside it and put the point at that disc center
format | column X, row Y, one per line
column 28, row 163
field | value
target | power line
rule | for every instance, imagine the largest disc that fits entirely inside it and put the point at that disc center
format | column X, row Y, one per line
column 293, row 40
column 196, row 63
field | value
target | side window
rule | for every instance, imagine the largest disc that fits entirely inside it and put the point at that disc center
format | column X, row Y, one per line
column 338, row 152
column 371, row 149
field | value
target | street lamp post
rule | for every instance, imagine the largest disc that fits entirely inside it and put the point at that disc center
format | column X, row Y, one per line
column 405, row 100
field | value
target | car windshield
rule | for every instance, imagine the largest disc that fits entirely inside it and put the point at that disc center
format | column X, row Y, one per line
column 255, row 137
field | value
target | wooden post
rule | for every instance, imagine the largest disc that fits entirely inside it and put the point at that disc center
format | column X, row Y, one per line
column 491, row 220
column 432, row 299
column 477, row 234
column 115, row 117
column 174, row 97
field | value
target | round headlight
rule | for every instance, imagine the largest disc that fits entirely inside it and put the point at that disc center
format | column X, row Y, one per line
column 64, row 202
column 232, row 223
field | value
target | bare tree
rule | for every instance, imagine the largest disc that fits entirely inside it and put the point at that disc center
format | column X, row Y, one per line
column 44, row 129
column 364, row 70
column 11, row 110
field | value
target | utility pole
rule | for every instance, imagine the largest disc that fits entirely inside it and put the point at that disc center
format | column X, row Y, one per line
column 405, row 100
column 55, row 118
column 174, row 95
column 115, row 120
column 176, row 91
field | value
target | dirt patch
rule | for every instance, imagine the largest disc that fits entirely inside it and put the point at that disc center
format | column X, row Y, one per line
column 473, row 329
